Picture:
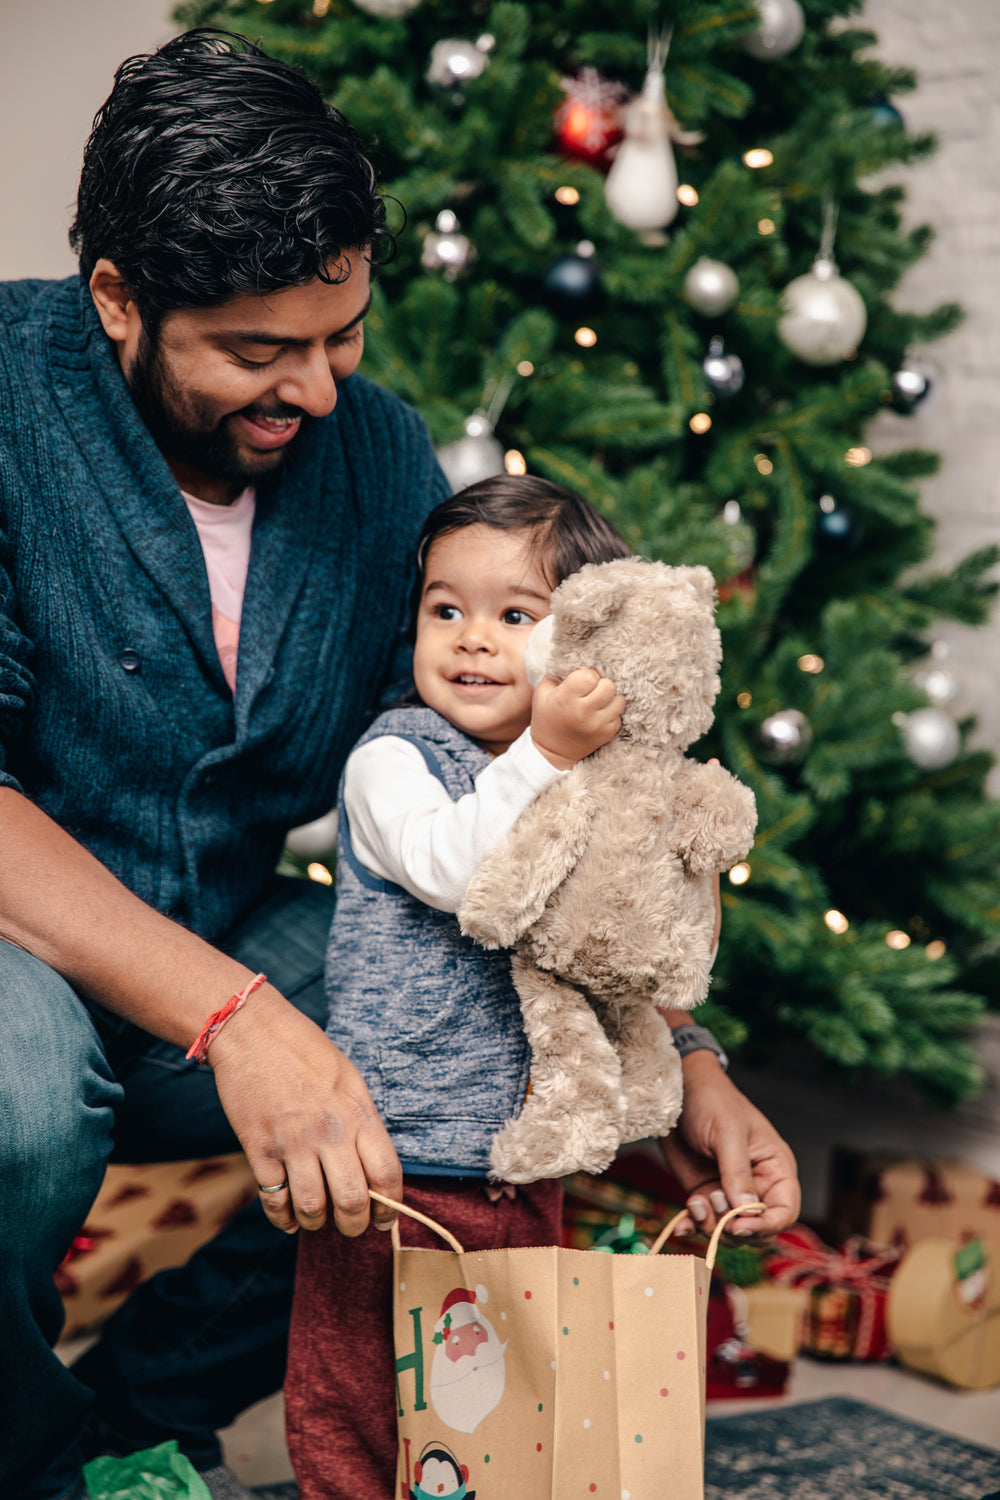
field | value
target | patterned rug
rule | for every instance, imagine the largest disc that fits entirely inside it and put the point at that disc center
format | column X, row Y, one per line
column 835, row 1449
column 839, row 1449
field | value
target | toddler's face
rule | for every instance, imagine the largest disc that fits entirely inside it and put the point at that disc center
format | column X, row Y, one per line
column 482, row 595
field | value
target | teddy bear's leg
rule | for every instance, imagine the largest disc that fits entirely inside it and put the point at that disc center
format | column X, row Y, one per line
column 651, row 1071
column 572, row 1117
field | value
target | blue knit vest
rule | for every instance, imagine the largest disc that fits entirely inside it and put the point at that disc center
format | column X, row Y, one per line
column 430, row 1020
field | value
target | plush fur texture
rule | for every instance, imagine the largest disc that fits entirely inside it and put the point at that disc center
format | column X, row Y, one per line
column 604, row 887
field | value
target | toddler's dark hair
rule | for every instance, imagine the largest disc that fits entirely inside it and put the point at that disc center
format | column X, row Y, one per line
column 568, row 531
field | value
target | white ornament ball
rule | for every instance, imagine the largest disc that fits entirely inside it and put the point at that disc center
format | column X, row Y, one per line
column 931, row 737
column 781, row 27
column 475, row 456
column 454, row 62
column 316, row 840
column 387, row 8
column 710, row 287
column 824, row 316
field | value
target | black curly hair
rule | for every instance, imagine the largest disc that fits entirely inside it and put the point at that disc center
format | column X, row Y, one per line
column 213, row 169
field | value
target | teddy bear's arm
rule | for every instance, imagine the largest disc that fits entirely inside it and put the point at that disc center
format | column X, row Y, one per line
column 509, row 890
column 715, row 817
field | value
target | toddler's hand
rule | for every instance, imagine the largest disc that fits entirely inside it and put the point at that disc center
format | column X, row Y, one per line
column 569, row 719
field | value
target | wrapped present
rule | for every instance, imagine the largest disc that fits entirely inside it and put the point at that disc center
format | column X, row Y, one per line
column 773, row 1316
column 896, row 1200
column 734, row 1365
column 143, row 1219
column 943, row 1314
column 844, row 1317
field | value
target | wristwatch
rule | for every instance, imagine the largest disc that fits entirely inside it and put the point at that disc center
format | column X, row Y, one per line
column 699, row 1039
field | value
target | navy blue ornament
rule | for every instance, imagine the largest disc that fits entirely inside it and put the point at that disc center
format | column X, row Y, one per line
column 884, row 112
column 572, row 284
column 836, row 528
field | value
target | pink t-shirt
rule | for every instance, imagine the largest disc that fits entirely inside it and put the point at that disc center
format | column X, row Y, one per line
column 225, row 532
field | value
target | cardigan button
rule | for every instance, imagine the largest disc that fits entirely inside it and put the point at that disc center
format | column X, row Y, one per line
column 130, row 659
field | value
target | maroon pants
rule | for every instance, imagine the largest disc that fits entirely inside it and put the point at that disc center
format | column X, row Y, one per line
column 340, row 1390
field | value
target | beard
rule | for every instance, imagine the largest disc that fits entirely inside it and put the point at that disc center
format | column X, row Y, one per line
column 186, row 434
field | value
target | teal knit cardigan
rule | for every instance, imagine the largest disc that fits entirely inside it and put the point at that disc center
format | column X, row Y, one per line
column 115, row 716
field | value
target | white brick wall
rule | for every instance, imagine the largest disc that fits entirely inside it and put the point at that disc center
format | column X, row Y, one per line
column 955, row 51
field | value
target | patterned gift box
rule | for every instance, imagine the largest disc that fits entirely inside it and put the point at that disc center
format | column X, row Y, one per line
column 844, row 1317
column 143, row 1219
column 897, row 1200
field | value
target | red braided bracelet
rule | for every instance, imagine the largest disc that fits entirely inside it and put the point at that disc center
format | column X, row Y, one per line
column 199, row 1047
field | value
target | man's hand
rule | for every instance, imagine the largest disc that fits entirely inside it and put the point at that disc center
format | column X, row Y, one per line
column 724, row 1152
column 303, row 1114
column 572, row 718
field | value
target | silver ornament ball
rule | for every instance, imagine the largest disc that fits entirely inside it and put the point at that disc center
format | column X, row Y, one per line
column 781, row 27
column 454, row 62
column 475, row 456
column 824, row 317
column 724, row 372
column 931, row 737
column 445, row 249
column 387, row 8
column 710, row 287
column 937, row 677
column 785, row 736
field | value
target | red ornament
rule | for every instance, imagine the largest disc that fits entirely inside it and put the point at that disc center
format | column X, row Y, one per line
column 589, row 124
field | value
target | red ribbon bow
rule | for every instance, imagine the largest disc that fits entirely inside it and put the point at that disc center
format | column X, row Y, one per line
column 800, row 1258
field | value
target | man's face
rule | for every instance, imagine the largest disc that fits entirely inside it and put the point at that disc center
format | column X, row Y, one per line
column 225, row 391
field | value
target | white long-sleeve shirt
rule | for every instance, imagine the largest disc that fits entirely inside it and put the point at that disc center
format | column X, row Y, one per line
column 405, row 827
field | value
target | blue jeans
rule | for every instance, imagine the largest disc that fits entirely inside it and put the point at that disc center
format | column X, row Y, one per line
column 194, row 1346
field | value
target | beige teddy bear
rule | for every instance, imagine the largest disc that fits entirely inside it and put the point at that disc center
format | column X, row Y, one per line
column 605, row 886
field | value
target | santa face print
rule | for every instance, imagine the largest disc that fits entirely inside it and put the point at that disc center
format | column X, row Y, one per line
column 482, row 595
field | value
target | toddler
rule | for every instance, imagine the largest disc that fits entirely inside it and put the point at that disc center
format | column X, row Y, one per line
column 431, row 1020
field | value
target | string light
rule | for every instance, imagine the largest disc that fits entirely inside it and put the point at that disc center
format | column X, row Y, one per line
column 936, row 949
column 744, row 699
column 827, row 504
column 585, row 337
column 759, row 156
column 320, row 7
column 810, row 663
column 898, row 940
column 765, row 226
column 835, row 920
column 526, row 367
column 858, row 457
column 687, row 195
column 700, row 422
column 319, row 873
column 763, row 463
column 514, row 462
column 568, row 196
column 740, row 874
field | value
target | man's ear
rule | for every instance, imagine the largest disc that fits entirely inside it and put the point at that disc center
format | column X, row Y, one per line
column 114, row 302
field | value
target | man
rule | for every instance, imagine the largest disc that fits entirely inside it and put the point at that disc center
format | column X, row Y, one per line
column 207, row 523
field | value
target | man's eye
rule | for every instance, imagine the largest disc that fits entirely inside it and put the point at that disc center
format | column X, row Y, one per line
column 254, row 364
column 518, row 617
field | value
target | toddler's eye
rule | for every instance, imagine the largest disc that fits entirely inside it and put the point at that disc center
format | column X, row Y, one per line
column 517, row 617
column 448, row 612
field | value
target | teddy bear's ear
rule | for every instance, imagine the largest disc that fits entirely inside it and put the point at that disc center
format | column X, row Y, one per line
column 701, row 580
column 595, row 594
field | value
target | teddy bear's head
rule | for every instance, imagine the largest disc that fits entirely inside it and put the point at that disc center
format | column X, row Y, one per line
column 651, row 629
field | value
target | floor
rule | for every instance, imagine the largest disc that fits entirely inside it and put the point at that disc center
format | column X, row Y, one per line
column 255, row 1444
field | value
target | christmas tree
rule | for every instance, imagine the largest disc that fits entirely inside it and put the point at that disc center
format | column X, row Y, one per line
column 646, row 255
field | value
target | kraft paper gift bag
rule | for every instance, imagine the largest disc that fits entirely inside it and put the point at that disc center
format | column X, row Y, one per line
column 551, row 1373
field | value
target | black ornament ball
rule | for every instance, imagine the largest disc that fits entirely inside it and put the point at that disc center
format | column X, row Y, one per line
column 836, row 527
column 572, row 285
column 910, row 386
